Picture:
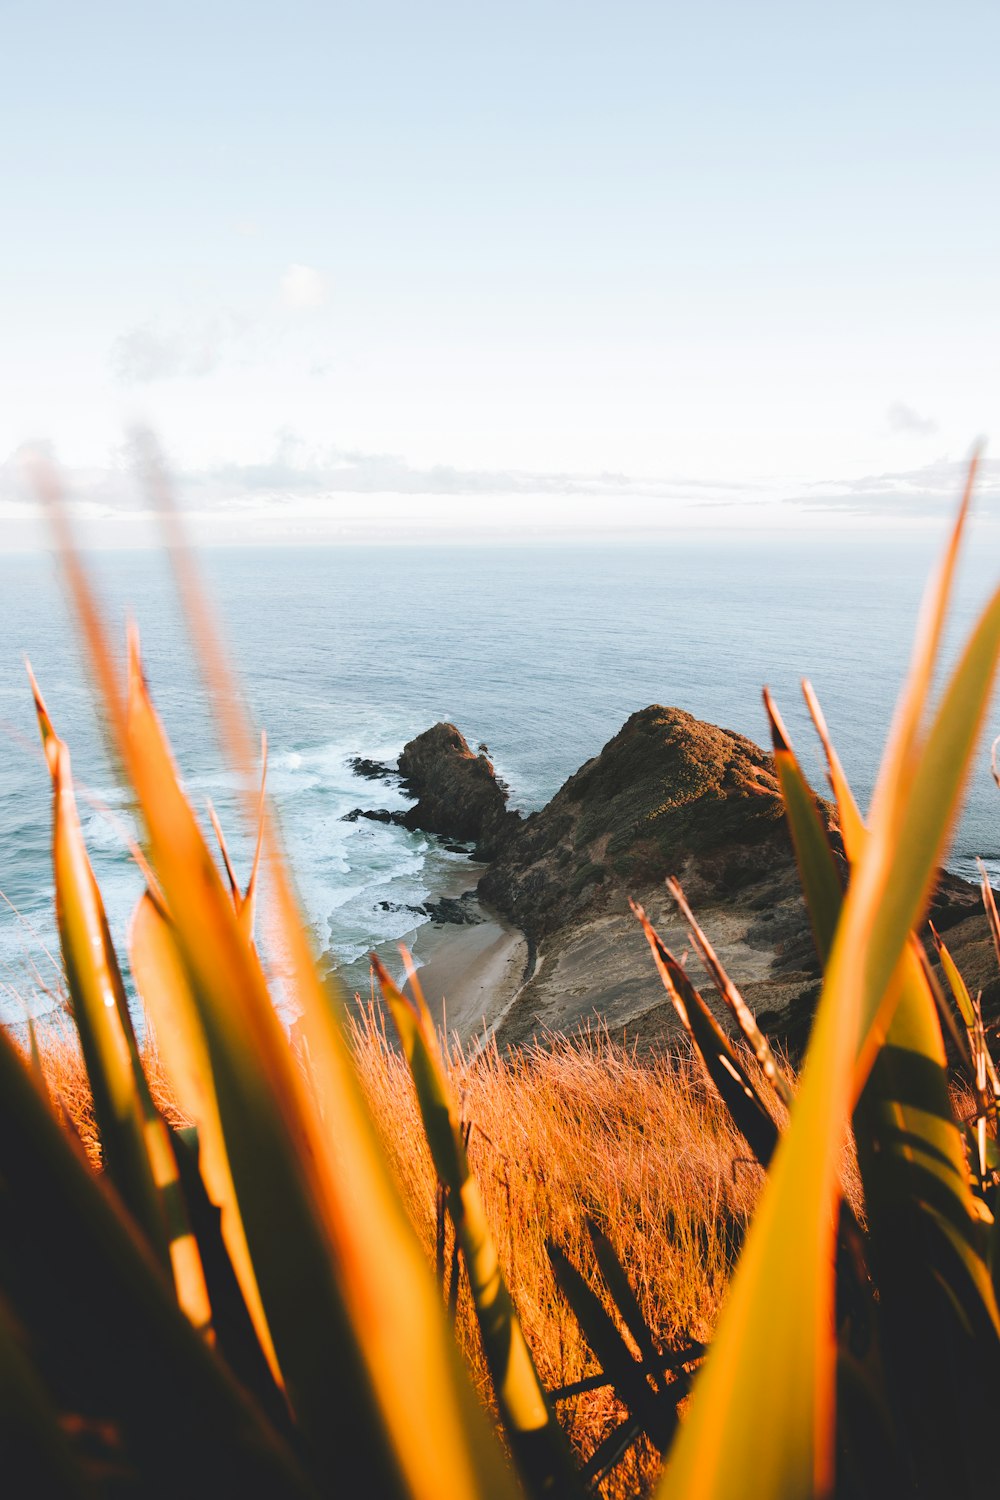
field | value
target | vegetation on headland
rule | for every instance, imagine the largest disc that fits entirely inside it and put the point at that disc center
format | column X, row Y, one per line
column 248, row 1303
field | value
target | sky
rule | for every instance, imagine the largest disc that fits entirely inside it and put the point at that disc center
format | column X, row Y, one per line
column 416, row 270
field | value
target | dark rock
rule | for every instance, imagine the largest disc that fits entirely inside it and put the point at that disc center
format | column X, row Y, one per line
column 461, row 911
column 954, row 900
column 668, row 795
column 376, row 815
column 371, row 770
column 457, row 793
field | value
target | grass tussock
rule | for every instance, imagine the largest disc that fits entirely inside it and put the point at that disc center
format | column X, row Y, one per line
column 563, row 1131
column 573, row 1129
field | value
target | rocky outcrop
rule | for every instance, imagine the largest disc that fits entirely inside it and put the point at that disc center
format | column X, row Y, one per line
column 671, row 795
column 668, row 795
column 376, row 815
column 457, row 792
column 371, row 770
column 447, row 911
column 456, row 911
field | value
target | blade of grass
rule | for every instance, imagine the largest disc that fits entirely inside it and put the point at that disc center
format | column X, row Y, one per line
column 990, row 906
column 623, row 1295
column 719, row 1058
column 956, row 983
column 436, row 1427
column 915, row 1177
column 248, row 910
column 135, row 1139
column 656, row 1412
column 335, row 1177
column 784, row 1350
column 323, row 1218
column 852, row 828
column 960, row 1037
column 744, row 1016
column 84, row 1275
column 821, row 882
column 162, row 982
column 536, row 1439
column 272, row 1141
column 227, row 864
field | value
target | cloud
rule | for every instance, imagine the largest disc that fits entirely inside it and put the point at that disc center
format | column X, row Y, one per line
column 928, row 491
column 144, row 354
column 297, row 474
column 99, row 489
column 295, row 470
column 302, row 288
column 903, row 418
column 297, row 479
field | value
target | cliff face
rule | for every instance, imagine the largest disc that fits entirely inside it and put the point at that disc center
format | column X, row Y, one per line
column 458, row 795
column 669, row 794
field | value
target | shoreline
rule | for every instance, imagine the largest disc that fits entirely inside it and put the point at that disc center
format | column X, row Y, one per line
column 470, row 975
column 470, row 972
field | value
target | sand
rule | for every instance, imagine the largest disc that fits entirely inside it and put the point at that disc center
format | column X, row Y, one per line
column 470, row 975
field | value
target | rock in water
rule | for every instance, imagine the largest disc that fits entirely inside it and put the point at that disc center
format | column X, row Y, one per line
column 371, row 770
column 457, row 792
column 376, row 815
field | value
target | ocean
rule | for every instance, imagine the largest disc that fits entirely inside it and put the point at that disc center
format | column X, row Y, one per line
column 539, row 652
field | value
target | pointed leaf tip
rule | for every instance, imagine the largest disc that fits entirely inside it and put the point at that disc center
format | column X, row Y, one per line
column 779, row 735
column 50, row 740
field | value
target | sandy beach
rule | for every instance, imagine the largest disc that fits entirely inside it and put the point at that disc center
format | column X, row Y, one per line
column 470, row 974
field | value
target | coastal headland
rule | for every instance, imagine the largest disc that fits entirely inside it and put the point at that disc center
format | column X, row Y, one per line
column 537, row 935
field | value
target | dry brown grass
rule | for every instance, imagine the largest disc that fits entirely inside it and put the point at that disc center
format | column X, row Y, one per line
column 69, row 1089
column 561, row 1131
column 567, row 1130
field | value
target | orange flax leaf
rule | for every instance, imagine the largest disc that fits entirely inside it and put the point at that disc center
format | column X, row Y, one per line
column 900, row 754
column 960, row 1037
column 989, row 902
column 956, row 983
column 162, row 982
column 419, row 1003
column 212, row 657
column 717, row 1056
column 768, row 1381
column 234, row 885
column 109, row 680
column 539, row 1447
column 135, row 1139
column 818, row 871
column 50, row 740
column 734, row 1000
column 249, row 910
column 436, row 1426
column 379, row 1278
column 852, row 828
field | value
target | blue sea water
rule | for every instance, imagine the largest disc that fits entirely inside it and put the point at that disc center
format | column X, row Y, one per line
column 542, row 652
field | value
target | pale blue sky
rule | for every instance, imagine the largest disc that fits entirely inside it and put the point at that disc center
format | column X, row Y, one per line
column 358, row 262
